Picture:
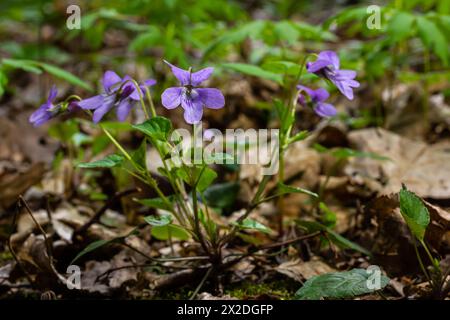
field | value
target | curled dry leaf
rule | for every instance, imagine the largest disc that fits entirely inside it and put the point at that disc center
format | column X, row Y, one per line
column 18, row 182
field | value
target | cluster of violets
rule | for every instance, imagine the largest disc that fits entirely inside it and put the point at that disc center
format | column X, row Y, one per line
column 327, row 66
column 122, row 94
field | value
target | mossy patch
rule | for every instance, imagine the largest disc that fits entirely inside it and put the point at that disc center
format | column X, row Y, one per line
column 276, row 289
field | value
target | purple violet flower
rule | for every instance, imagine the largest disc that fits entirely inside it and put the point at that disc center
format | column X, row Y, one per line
column 327, row 66
column 48, row 110
column 124, row 100
column 317, row 98
column 191, row 98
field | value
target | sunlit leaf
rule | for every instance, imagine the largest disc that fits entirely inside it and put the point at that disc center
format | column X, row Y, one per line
column 170, row 231
column 253, row 225
column 158, row 221
column 285, row 189
column 253, row 70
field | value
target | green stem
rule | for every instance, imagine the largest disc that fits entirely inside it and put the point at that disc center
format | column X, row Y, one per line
column 426, row 97
column 150, row 101
column 422, row 266
column 430, row 256
column 117, row 144
column 253, row 204
column 284, row 138
column 148, row 178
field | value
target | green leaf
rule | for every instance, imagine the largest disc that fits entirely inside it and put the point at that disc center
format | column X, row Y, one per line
column 64, row 75
column 302, row 135
column 253, row 70
column 199, row 177
column 26, row 65
column 414, row 212
column 3, row 82
column 37, row 67
column 110, row 161
column 433, row 38
column 252, row 29
column 345, row 153
column 222, row 195
column 205, row 179
column 400, row 26
column 282, row 67
column 253, row 225
column 286, row 30
column 281, row 110
column 91, row 247
column 336, row 238
column 118, row 126
column 217, row 158
column 79, row 139
column 343, row 242
column 350, row 14
column 146, row 40
column 329, row 217
column 158, row 221
column 312, row 32
column 285, row 189
column 168, row 231
column 157, row 128
column 339, row 285
column 100, row 243
column 139, row 156
column 63, row 131
column 156, row 203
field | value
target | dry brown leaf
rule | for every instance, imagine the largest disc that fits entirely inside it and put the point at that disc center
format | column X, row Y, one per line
column 300, row 271
column 14, row 184
column 424, row 169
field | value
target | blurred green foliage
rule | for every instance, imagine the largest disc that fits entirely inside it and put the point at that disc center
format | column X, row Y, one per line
column 259, row 38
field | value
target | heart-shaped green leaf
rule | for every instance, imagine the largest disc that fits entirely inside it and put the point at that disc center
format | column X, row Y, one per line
column 414, row 212
column 341, row 285
column 157, row 128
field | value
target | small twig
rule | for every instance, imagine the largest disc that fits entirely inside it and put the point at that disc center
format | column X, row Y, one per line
column 196, row 258
column 137, row 266
column 96, row 217
column 13, row 253
column 291, row 241
column 48, row 244
column 252, row 251
column 201, row 283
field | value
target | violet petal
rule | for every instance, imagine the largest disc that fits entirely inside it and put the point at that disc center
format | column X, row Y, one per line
column 212, row 98
column 171, row 97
